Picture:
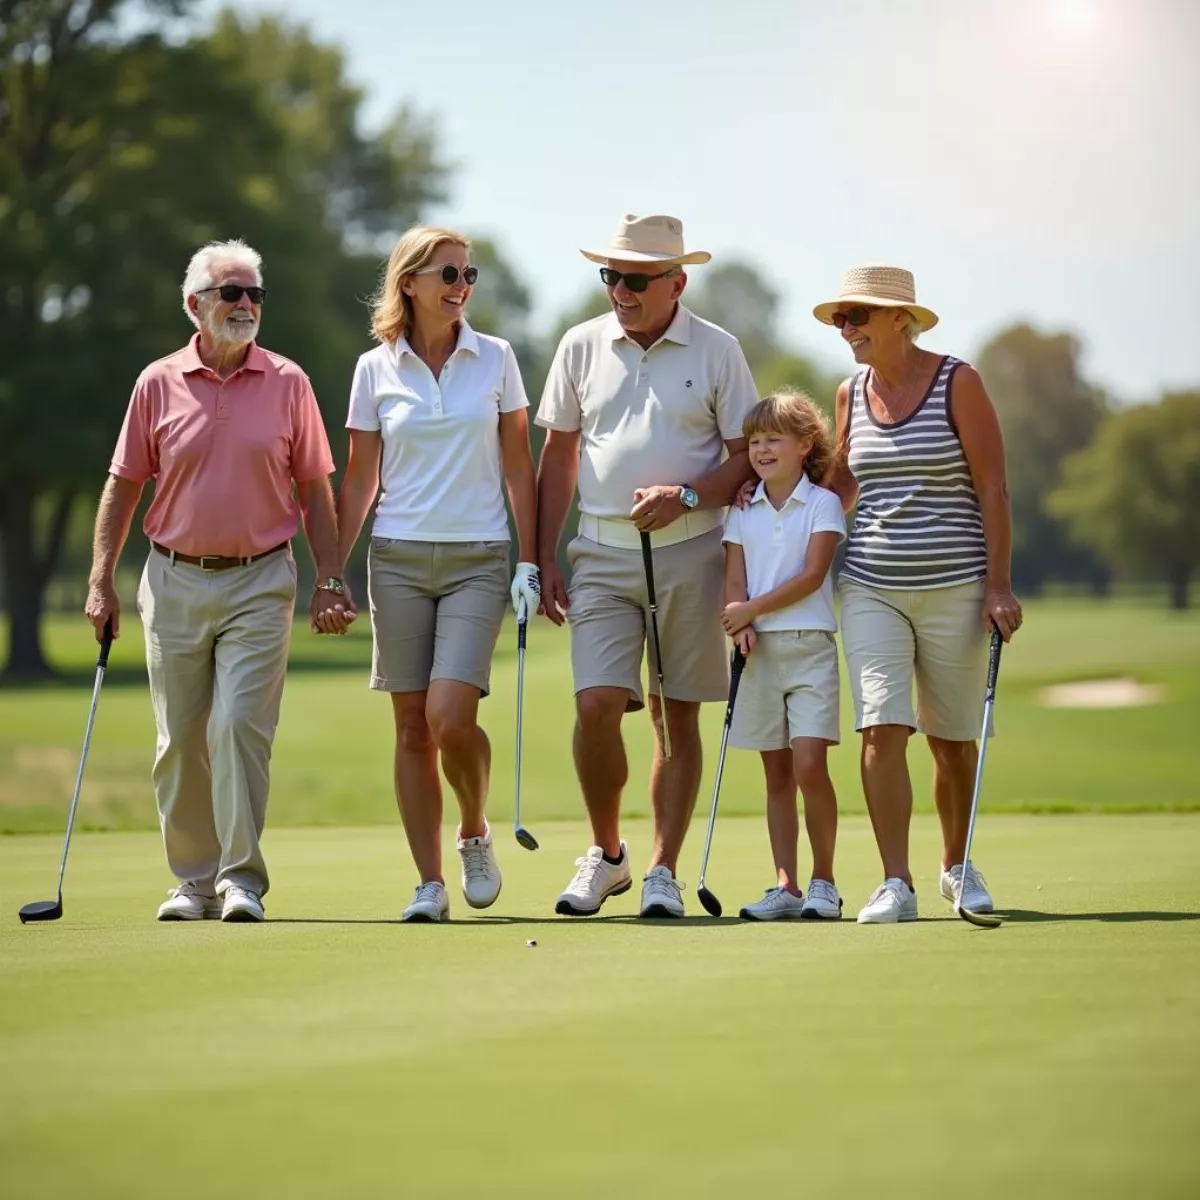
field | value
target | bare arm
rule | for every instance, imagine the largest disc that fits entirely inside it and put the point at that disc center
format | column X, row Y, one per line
column 118, row 503
column 657, row 507
column 558, row 472
column 979, row 432
column 359, row 487
column 735, row 574
column 328, row 611
column 517, row 463
column 838, row 478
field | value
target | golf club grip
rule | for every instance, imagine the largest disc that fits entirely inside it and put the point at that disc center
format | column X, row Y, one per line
column 735, row 677
column 994, row 662
column 522, row 622
column 648, row 564
column 106, row 641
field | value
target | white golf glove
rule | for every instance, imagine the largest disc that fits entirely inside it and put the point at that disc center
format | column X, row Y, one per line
column 526, row 586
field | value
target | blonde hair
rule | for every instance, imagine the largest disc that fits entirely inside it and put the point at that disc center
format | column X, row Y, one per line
column 796, row 413
column 391, row 309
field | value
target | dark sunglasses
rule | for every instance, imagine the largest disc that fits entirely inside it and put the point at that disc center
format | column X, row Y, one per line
column 231, row 293
column 634, row 281
column 855, row 317
column 450, row 273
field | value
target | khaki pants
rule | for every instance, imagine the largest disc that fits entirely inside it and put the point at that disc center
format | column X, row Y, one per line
column 216, row 651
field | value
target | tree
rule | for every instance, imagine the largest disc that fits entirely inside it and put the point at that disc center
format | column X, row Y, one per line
column 1047, row 411
column 121, row 154
column 734, row 296
column 1133, row 495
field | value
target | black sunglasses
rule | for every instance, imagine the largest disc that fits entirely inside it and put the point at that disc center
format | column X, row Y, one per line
column 450, row 273
column 231, row 293
column 634, row 281
column 856, row 317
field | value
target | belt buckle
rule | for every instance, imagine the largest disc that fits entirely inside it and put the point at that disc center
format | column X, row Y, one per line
column 205, row 559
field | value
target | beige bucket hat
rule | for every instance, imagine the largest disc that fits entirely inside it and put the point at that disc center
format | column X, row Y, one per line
column 654, row 239
column 881, row 287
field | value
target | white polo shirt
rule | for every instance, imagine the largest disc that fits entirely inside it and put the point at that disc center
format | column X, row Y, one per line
column 775, row 546
column 440, row 477
column 652, row 416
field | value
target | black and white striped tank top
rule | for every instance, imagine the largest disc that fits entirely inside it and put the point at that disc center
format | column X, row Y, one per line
column 917, row 523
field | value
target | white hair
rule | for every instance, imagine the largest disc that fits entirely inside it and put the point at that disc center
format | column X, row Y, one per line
column 913, row 328
column 203, row 268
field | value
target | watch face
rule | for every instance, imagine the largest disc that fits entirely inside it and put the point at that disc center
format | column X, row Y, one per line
column 689, row 498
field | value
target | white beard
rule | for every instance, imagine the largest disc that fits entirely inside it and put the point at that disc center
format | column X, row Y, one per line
column 231, row 332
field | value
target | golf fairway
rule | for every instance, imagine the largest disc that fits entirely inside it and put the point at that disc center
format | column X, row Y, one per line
column 336, row 1053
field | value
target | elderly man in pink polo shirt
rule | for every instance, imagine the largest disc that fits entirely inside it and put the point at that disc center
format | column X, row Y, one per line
column 224, row 428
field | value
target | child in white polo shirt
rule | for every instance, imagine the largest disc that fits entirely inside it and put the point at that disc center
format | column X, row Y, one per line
column 779, row 610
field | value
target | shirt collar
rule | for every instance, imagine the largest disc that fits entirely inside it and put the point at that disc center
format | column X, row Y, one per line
column 468, row 340
column 800, row 492
column 190, row 361
column 679, row 331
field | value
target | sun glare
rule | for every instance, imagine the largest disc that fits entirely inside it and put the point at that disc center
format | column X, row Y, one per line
column 1074, row 16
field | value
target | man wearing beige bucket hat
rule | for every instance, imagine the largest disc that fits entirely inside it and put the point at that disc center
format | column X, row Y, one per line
column 644, row 409
column 926, row 573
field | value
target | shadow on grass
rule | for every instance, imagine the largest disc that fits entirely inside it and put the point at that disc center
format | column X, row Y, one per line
column 1132, row 917
column 562, row 921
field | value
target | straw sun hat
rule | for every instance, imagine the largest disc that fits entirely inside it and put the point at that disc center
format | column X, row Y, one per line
column 654, row 239
column 877, row 287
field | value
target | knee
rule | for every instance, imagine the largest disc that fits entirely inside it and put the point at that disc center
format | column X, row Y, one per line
column 600, row 708
column 412, row 731
column 777, row 768
column 449, row 724
column 882, row 741
column 809, row 764
column 952, row 756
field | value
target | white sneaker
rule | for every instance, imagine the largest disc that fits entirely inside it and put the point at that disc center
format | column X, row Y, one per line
column 893, row 900
column 429, row 903
column 594, row 882
column 188, row 902
column 975, row 896
column 661, row 894
column 480, row 870
column 823, row 903
column 777, row 904
column 241, row 904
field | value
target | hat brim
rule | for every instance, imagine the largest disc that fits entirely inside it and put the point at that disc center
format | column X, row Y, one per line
column 616, row 255
column 925, row 316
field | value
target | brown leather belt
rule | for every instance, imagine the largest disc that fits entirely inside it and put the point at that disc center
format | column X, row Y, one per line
column 215, row 562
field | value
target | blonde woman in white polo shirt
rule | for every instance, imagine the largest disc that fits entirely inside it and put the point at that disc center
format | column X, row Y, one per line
column 644, row 408
column 779, row 610
column 438, row 427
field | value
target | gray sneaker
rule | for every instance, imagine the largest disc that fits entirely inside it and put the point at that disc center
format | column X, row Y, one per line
column 429, row 903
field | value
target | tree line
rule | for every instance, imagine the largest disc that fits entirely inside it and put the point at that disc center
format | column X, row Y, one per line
column 128, row 138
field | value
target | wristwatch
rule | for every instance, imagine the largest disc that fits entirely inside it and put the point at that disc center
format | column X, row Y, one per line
column 689, row 496
column 331, row 584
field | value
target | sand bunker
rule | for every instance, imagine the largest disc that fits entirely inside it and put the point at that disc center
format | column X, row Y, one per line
column 1102, row 693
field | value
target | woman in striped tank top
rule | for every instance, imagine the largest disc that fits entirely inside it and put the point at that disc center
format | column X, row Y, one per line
column 926, row 573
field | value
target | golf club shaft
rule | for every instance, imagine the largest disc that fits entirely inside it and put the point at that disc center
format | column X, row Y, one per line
column 735, row 676
column 988, row 704
column 522, row 620
column 648, row 564
column 106, row 639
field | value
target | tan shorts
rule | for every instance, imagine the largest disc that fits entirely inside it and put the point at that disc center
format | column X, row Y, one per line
column 436, row 611
column 610, row 621
column 934, row 636
column 789, row 689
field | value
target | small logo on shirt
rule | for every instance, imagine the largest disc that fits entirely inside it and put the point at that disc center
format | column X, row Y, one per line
column 687, row 383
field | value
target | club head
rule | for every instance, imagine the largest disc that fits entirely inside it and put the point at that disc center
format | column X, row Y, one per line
column 712, row 905
column 983, row 920
column 525, row 838
column 41, row 910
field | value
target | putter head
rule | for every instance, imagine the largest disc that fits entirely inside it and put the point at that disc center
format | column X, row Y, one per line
column 712, row 905
column 983, row 920
column 525, row 838
column 41, row 910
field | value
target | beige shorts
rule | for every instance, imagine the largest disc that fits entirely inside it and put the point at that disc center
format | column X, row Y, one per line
column 610, row 620
column 935, row 637
column 789, row 689
column 436, row 611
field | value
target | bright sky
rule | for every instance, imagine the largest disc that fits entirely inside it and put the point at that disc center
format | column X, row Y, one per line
column 1027, row 159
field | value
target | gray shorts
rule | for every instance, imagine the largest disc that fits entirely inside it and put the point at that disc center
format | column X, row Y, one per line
column 436, row 611
column 610, row 618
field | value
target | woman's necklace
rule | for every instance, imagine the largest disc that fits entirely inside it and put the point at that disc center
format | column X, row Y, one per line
column 898, row 405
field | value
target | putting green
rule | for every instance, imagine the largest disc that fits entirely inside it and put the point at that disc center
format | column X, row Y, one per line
column 335, row 1053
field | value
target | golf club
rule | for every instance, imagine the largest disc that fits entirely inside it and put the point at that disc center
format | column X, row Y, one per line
column 648, row 563
column 983, row 920
column 711, row 904
column 51, row 910
column 519, row 831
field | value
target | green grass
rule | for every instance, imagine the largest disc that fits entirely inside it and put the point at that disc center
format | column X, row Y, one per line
column 335, row 1053
column 333, row 751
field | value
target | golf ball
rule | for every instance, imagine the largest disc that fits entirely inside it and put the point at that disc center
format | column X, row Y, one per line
column 531, row 942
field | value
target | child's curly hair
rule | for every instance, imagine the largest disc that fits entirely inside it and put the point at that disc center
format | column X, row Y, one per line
column 795, row 412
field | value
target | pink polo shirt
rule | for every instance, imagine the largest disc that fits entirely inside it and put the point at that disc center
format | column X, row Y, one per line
column 222, row 454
